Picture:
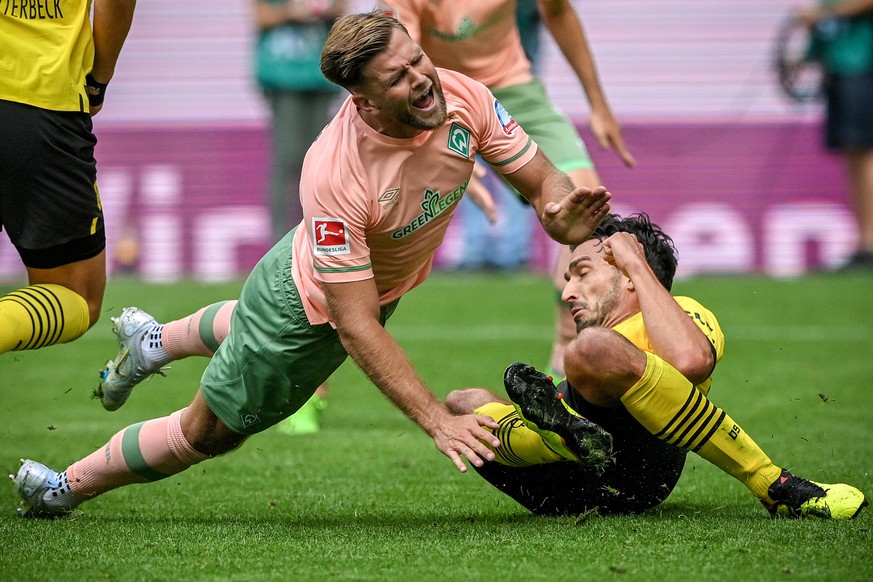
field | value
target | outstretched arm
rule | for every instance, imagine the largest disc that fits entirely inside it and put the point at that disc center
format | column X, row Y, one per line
column 566, row 28
column 673, row 334
column 111, row 23
column 354, row 308
column 568, row 215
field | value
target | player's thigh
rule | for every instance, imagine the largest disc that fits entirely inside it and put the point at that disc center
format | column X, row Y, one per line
column 86, row 277
column 49, row 203
column 273, row 359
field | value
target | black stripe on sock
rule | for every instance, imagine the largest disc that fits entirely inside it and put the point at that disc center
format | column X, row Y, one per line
column 711, row 432
column 693, row 439
column 678, row 414
column 695, row 422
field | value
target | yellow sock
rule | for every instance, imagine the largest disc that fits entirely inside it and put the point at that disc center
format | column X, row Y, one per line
column 41, row 315
column 676, row 412
column 519, row 445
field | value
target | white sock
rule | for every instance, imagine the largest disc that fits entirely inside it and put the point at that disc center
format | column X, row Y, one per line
column 153, row 351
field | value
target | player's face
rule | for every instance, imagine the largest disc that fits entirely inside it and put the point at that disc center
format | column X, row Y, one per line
column 594, row 288
column 402, row 90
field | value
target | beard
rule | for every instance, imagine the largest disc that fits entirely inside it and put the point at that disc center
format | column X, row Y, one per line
column 428, row 121
column 605, row 307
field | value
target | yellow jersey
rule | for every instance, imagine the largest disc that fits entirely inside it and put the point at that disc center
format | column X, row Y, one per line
column 634, row 330
column 47, row 49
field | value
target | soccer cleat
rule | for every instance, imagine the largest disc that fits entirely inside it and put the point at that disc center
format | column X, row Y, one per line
column 796, row 497
column 129, row 367
column 43, row 492
column 306, row 420
column 543, row 410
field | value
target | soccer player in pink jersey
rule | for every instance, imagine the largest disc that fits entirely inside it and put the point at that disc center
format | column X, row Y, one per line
column 481, row 39
column 378, row 189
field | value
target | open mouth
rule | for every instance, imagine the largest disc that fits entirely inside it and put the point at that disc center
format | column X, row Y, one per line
column 425, row 101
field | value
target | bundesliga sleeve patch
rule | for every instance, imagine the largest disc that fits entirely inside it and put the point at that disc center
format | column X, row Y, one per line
column 508, row 124
column 330, row 236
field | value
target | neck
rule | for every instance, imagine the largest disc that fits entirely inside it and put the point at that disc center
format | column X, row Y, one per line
column 392, row 129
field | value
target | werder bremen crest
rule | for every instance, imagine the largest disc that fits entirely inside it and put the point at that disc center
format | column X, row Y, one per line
column 459, row 140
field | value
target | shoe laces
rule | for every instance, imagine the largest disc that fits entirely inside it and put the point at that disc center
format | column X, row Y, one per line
column 794, row 491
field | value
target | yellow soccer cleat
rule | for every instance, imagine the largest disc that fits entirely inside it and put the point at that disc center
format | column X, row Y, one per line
column 796, row 497
column 307, row 420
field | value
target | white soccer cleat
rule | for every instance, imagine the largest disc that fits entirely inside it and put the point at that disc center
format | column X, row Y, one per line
column 129, row 367
column 43, row 492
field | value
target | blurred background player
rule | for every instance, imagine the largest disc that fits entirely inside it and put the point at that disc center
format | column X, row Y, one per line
column 291, row 34
column 844, row 46
column 481, row 39
column 640, row 367
column 502, row 242
column 56, row 65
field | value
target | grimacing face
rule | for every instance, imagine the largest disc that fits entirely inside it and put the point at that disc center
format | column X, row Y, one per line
column 594, row 287
column 404, row 89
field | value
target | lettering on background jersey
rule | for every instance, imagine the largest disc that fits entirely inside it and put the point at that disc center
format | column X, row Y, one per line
column 32, row 9
column 432, row 206
column 467, row 28
column 330, row 236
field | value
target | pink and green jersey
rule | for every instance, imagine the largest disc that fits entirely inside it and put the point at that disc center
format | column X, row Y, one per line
column 476, row 37
column 378, row 207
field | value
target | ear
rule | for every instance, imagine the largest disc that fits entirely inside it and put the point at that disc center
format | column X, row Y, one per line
column 362, row 102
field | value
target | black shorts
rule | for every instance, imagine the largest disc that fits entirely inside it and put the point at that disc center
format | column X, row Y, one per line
column 49, row 205
column 849, row 123
column 644, row 474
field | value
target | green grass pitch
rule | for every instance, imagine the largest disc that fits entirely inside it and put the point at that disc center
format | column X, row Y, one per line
column 370, row 498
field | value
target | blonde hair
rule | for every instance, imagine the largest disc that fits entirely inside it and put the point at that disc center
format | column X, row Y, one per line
column 353, row 41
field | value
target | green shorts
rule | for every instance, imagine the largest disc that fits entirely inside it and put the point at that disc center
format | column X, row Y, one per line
column 550, row 128
column 273, row 359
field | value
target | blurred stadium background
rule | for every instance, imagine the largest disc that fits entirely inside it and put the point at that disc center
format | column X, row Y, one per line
column 727, row 165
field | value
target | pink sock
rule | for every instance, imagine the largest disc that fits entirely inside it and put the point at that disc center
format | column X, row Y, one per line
column 199, row 334
column 141, row 453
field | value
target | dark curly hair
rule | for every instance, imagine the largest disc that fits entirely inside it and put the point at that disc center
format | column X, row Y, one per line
column 659, row 248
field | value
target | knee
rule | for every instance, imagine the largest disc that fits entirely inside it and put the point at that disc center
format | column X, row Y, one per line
column 466, row 401
column 217, row 441
column 594, row 366
column 206, row 432
column 585, row 352
column 95, row 306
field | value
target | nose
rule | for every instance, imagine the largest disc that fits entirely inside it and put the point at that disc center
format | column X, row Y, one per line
column 418, row 78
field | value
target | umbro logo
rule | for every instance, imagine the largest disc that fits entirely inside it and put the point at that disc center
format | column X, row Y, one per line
column 389, row 198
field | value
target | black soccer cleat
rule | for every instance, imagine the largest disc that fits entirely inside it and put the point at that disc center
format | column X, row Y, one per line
column 543, row 410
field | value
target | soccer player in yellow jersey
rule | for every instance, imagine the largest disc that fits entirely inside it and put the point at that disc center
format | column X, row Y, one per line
column 55, row 66
column 639, row 373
